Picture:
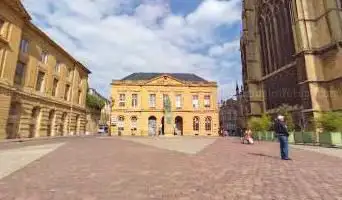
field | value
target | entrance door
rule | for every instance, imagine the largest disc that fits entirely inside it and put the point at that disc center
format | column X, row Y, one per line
column 152, row 126
column 34, row 126
column 51, row 123
column 12, row 129
column 179, row 126
column 64, row 124
column 162, row 126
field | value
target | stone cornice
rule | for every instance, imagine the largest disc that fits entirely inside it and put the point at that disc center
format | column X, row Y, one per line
column 321, row 50
column 143, row 83
column 12, row 90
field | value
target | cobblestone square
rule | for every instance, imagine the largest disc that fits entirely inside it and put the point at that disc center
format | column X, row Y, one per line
column 100, row 168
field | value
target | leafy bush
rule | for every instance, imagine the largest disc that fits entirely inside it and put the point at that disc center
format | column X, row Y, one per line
column 94, row 102
column 262, row 123
column 330, row 121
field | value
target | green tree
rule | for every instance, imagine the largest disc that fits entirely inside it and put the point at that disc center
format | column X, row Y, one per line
column 262, row 123
column 94, row 102
column 285, row 111
column 330, row 121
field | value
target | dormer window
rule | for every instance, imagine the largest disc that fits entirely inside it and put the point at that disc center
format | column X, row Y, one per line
column 58, row 67
column 44, row 57
column 24, row 45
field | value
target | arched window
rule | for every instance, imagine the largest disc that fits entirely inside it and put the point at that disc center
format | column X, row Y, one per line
column 134, row 122
column 208, row 123
column 121, row 123
column 263, row 45
column 196, row 124
column 276, row 35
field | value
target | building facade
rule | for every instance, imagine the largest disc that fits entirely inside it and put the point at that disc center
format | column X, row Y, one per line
column 232, row 113
column 229, row 116
column 97, row 118
column 152, row 104
column 291, row 54
column 42, row 87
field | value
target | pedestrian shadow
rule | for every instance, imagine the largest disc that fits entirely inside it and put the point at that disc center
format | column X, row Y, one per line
column 262, row 155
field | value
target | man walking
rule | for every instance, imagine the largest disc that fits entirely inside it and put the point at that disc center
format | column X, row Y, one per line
column 283, row 135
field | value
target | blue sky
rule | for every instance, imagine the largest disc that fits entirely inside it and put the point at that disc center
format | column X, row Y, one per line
column 114, row 38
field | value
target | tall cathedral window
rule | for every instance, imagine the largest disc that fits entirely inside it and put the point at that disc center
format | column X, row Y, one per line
column 276, row 35
column 277, row 50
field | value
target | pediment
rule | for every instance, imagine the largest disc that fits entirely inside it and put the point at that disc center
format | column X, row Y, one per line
column 164, row 80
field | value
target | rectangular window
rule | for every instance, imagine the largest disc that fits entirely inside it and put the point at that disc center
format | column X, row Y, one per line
column 152, row 101
column 66, row 92
column 24, row 46
column 19, row 73
column 69, row 72
column 134, row 100
column 134, row 122
column 195, row 101
column 44, row 57
column 122, row 100
column 57, row 67
column 40, row 82
column 207, row 101
column 54, row 87
column 178, row 101
column 79, row 96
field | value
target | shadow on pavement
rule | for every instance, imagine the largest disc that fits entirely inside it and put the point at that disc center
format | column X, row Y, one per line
column 263, row 155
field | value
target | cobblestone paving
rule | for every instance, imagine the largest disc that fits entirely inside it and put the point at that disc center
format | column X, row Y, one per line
column 112, row 168
column 189, row 145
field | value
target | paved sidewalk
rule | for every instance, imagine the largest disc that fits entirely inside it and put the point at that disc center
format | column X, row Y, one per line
column 188, row 145
column 337, row 152
column 14, row 159
column 119, row 168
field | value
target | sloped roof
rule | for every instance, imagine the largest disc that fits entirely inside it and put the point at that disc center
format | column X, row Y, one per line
column 148, row 76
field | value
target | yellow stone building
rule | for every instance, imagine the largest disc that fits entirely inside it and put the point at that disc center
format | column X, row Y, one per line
column 292, row 54
column 150, row 104
column 42, row 87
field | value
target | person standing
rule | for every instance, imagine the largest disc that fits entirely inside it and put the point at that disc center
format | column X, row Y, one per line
column 282, row 133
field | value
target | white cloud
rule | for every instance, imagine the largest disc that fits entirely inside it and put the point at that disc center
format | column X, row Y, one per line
column 116, row 37
column 225, row 49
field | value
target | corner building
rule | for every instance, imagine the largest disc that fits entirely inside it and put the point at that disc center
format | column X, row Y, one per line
column 150, row 104
column 291, row 54
column 42, row 87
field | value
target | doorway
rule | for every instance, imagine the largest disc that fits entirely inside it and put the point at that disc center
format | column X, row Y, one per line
column 162, row 129
column 152, row 126
column 51, row 123
column 34, row 125
column 13, row 121
column 179, row 125
column 64, row 124
column 78, row 124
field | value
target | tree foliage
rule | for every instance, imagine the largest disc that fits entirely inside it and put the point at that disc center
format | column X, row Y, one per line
column 285, row 111
column 330, row 121
column 94, row 102
column 262, row 123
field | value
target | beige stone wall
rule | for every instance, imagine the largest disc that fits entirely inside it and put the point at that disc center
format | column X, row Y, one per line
column 317, row 29
column 18, row 27
column 5, row 99
column 172, row 88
